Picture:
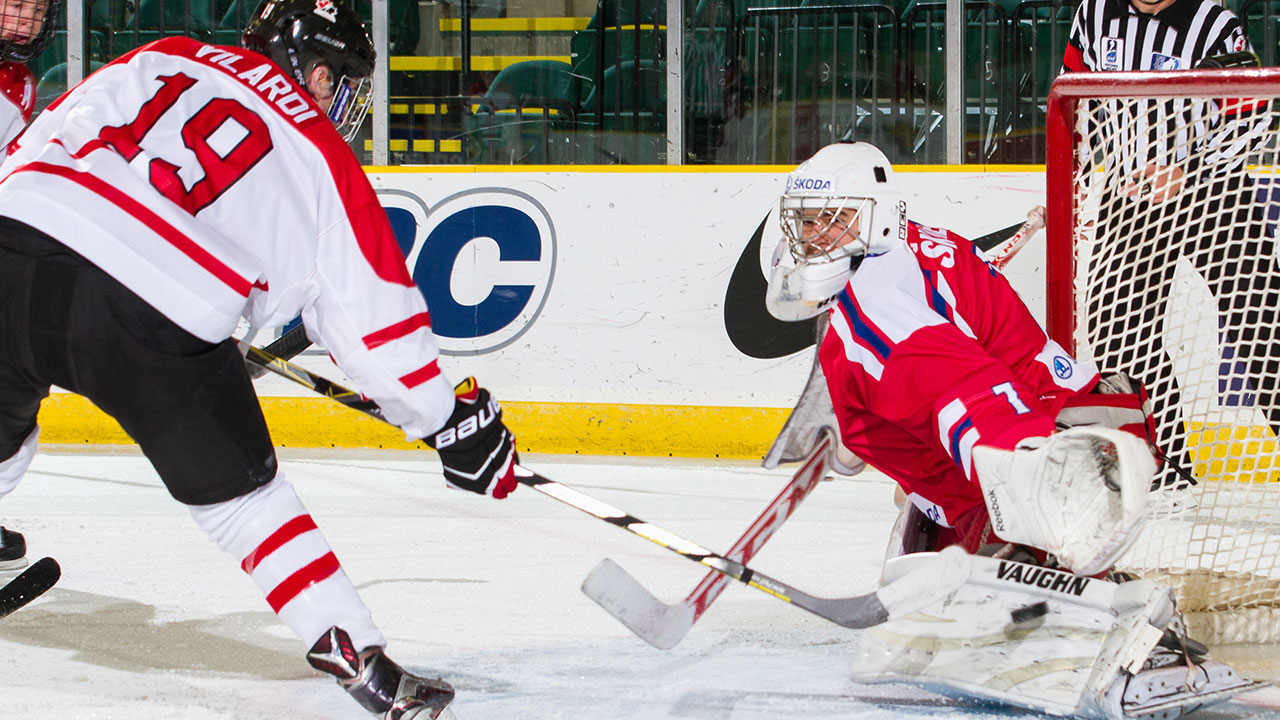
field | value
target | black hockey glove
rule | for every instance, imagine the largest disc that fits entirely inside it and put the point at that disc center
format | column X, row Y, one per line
column 478, row 452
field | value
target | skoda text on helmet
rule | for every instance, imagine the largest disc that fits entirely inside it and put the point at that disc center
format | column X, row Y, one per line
column 839, row 206
column 299, row 34
column 26, row 28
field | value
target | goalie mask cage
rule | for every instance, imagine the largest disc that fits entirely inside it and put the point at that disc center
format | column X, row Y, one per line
column 1176, row 283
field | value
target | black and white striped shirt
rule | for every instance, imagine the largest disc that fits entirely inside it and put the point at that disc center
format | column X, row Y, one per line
column 1113, row 35
column 1110, row 35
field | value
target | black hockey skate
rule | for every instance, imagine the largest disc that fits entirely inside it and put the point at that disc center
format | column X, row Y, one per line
column 378, row 684
column 13, row 551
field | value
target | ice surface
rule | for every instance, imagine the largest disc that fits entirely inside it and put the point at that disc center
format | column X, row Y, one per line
column 150, row 620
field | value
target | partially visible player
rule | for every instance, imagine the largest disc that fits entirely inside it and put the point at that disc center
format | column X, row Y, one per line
column 942, row 379
column 26, row 28
column 1175, row 187
column 181, row 187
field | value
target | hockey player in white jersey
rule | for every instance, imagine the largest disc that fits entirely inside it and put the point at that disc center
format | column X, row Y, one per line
column 181, row 187
column 24, row 34
column 1003, row 443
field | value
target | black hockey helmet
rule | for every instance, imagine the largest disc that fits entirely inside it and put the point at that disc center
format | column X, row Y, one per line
column 297, row 34
column 26, row 28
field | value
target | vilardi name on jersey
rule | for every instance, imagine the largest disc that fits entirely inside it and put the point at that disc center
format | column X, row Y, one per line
column 264, row 77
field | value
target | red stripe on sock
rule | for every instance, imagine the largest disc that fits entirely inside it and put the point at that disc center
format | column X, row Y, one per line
column 287, row 532
column 301, row 580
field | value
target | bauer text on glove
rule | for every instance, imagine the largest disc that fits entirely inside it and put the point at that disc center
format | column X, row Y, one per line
column 477, row 450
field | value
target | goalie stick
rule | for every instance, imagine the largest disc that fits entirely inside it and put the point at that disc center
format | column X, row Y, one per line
column 663, row 625
column 31, row 584
column 950, row 571
column 808, row 436
column 1002, row 254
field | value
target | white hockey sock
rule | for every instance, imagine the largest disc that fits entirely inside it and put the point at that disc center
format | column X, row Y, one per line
column 12, row 470
column 278, row 545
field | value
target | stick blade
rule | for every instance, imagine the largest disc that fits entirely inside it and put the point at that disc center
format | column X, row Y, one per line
column 622, row 596
column 29, row 585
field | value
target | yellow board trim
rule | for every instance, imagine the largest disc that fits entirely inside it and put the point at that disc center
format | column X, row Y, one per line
column 560, row 428
column 1235, row 453
column 479, row 63
column 541, row 24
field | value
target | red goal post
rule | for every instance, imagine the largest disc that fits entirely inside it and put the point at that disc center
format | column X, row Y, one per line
column 1135, row 275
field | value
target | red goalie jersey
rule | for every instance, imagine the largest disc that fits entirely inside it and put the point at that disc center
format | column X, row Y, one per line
column 218, row 188
column 931, row 352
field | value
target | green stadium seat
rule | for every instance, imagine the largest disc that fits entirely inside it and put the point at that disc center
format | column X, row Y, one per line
column 633, row 96
column 107, row 15
column 620, row 31
column 527, row 104
column 1261, row 20
column 188, row 17
column 405, row 25
column 56, row 52
column 535, row 80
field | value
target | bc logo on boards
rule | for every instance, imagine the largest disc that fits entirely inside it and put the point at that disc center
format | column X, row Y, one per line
column 484, row 260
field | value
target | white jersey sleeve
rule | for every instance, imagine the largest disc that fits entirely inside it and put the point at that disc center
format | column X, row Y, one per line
column 210, row 184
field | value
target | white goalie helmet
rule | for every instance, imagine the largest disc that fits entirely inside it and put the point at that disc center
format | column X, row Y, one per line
column 839, row 206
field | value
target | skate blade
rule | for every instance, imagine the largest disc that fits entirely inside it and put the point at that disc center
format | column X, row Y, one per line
column 13, row 566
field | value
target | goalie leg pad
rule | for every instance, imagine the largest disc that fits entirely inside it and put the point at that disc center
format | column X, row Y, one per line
column 1019, row 634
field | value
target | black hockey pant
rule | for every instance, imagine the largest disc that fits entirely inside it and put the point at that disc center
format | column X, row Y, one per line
column 189, row 404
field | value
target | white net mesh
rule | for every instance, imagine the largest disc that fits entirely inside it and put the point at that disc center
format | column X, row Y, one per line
column 1176, row 283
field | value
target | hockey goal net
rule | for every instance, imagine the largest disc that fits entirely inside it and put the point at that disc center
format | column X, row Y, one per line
column 1162, row 264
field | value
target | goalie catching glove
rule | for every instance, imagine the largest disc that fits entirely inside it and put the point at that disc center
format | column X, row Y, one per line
column 1080, row 494
column 478, row 452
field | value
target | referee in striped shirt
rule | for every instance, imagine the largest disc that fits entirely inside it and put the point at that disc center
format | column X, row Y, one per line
column 1174, row 184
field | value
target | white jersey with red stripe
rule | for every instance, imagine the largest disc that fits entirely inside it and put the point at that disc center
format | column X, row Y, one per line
column 17, row 101
column 931, row 352
column 206, row 181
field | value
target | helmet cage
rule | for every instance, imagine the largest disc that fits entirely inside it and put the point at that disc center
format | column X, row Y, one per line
column 15, row 45
column 825, row 229
column 352, row 98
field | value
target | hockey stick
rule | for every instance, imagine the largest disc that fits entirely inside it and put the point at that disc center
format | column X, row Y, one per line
column 950, row 567
column 664, row 625
column 31, row 584
column 286, row 347
column 806, row 437
column 1002, row 254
